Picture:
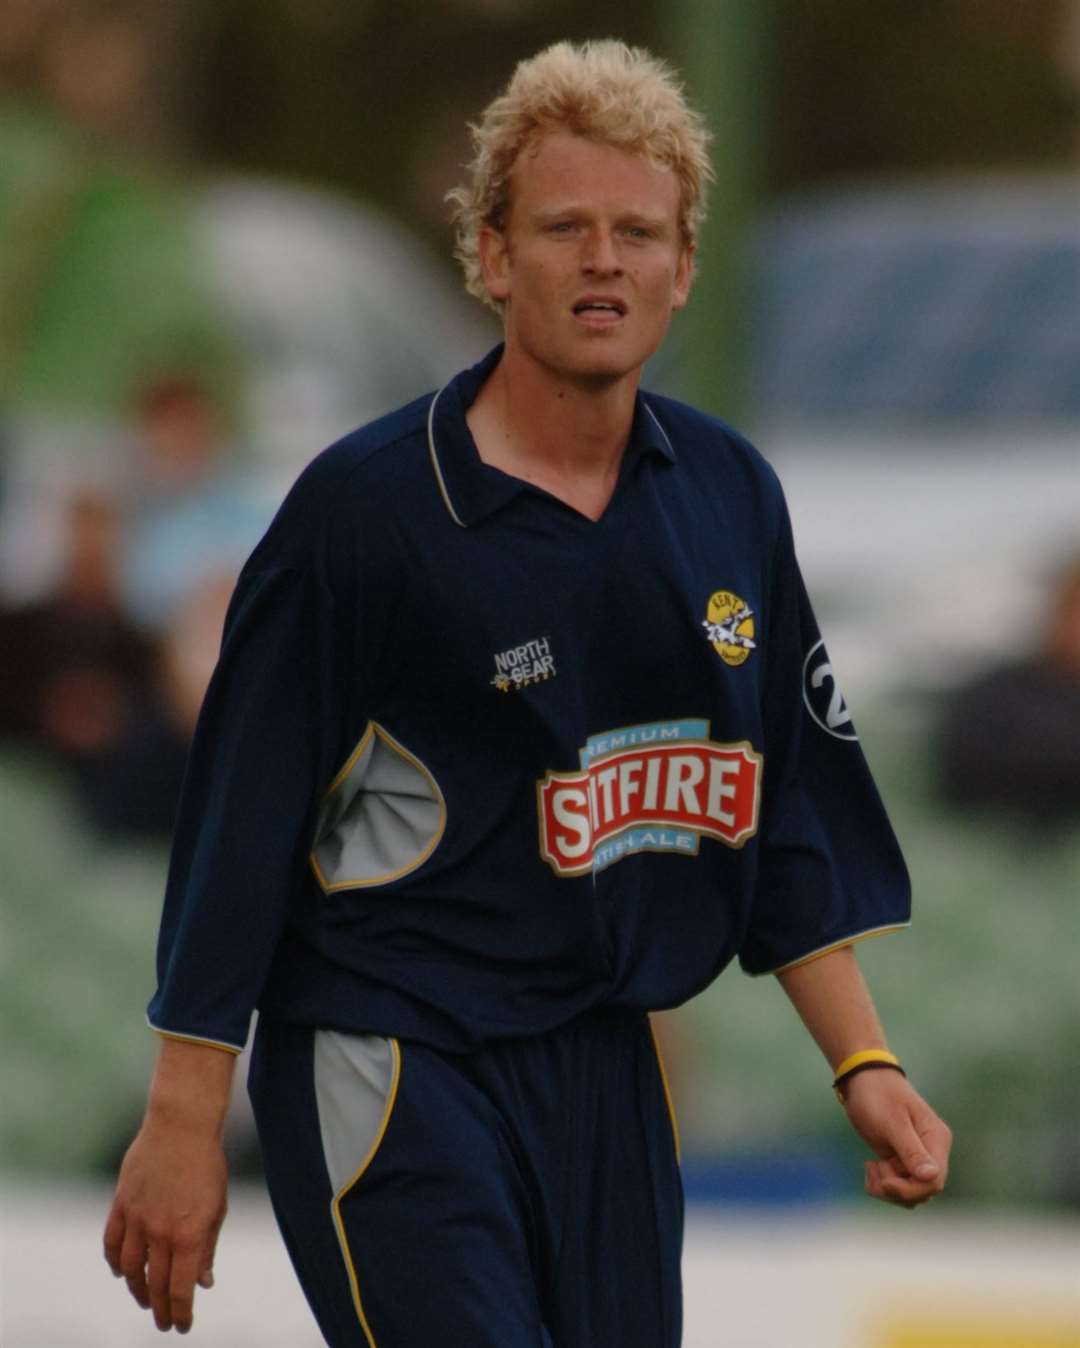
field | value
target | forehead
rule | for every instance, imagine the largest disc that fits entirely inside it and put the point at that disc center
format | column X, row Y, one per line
column 562, row 167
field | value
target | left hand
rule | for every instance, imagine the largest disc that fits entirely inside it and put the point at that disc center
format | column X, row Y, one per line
column 911, row 1142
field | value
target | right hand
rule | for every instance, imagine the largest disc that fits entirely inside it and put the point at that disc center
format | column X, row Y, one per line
column 163, row 1226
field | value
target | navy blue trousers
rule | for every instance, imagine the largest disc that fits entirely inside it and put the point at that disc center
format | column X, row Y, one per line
column 523, row 1196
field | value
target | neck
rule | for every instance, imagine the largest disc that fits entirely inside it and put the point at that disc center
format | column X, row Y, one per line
column 528, row 417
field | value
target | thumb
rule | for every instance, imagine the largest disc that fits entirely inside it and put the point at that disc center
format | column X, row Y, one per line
column 925, row 1169
column 206, row 1274
column 914, row 1157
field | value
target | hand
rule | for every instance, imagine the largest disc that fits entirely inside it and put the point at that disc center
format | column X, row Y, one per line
column 911, row 1142
column 163, row 1227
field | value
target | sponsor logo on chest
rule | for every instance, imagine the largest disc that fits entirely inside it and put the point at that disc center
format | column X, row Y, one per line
column 648, row 788
column 519, row 666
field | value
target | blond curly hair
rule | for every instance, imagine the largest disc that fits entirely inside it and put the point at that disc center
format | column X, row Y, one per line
column 605, row 90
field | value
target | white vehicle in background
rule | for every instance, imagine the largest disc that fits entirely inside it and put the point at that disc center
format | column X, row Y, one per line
column 916, row 366
column 341, row 313
column 335, row 315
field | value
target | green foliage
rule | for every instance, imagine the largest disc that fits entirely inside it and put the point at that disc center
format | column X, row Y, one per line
column 76, row 972
column 104, row 284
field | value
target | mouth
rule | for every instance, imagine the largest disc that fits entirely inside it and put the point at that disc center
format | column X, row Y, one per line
column 598, row 306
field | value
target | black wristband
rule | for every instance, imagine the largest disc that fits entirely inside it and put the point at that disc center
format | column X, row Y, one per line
column 841, row 1082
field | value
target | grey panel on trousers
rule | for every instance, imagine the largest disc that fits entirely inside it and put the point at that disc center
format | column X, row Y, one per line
column 354, row 1076
column 382, row 818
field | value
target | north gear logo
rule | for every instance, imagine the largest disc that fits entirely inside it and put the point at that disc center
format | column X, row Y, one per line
column 520, row 666
column 650, row 788
column 729, row 625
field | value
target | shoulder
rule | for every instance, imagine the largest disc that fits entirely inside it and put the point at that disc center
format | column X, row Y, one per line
column 348, row 487
column 715, row 453
column 365, row 454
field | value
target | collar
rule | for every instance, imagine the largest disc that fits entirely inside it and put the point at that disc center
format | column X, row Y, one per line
column 472, row 489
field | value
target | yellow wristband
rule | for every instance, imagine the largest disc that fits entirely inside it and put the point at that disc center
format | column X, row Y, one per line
column 865, row 1055
column 858, row 1062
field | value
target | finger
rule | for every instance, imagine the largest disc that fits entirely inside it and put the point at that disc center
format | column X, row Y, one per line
column 873, row 1180
column 887, row 1181
column 188, row 1264
column 938, row 1139
column 113, row 1239
column 158, row 1276
column 206, row 1268
column 915, row 1160
column 877, row 1190
column 919, row 1178
column 133, row 1264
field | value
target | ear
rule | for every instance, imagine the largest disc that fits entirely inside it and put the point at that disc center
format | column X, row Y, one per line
column 684, row 276
column 494, row 252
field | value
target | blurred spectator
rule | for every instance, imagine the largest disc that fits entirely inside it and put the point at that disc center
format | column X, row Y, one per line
column 131, row 786
column 75, row 669
column 72, row 661
column 1011, row 739
column 195, row 513
column 81, row 682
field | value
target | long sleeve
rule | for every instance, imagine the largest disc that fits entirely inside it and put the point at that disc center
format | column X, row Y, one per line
column 282, row 704
column 830, row 870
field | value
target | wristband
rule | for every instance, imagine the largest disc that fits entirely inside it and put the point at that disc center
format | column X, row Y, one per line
column 866, row 1060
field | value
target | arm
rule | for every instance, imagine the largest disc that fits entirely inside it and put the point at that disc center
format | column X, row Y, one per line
column 171, row 1193
column 286, row 704
column 911, row 1142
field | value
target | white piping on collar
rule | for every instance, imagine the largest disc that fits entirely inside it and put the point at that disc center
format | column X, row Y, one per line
column 660, row 428
column 441, row 481
column 435, row 460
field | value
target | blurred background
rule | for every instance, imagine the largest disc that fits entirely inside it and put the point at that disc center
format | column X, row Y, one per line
column 223, row 242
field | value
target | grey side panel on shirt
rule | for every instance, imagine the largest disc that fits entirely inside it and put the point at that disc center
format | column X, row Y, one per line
column 383, row 816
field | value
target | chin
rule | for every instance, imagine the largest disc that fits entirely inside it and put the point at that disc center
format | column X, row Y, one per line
column 594, row 358
column 611, row 360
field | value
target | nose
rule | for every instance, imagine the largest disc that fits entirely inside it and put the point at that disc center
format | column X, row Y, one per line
column 601, row 254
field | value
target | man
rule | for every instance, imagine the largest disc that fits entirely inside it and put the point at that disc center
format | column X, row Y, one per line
column 508, row 746
column 1008, row 737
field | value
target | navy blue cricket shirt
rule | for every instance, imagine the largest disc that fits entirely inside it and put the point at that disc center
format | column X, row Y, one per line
column 472, row 764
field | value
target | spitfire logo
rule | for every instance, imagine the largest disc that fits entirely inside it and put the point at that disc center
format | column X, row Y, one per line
column 822, row 696
column 729, row 625
column 648, row 788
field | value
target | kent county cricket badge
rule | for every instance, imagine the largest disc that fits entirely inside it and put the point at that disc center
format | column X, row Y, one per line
column 729, row 625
